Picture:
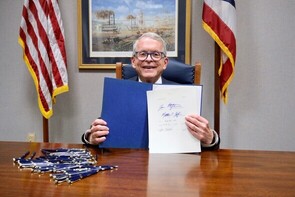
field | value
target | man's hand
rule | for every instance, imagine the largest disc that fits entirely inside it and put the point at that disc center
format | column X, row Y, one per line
column 98, row 132
column 199, row 128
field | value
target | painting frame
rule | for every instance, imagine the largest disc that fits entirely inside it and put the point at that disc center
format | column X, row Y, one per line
column 85, row 62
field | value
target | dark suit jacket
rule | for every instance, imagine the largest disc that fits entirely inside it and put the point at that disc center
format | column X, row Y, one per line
column 165, row 81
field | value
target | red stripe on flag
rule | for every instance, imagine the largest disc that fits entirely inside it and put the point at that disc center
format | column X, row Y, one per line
column 225, row 75
column 40, row 32
column 35, row 69
column 36, row 38
column 43, row 35
column 220, row 28
column 58, row 33
column 58, row 36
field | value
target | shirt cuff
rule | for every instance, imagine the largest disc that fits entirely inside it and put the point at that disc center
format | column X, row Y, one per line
column 86, row 135
column 215, row 140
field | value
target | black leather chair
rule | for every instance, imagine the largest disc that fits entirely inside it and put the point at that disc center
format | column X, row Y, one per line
column 176, row 71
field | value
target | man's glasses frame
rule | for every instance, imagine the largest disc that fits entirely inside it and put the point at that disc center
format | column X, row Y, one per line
column 155, row 55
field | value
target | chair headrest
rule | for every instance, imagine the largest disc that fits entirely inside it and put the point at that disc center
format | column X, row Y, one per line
column 176, row 71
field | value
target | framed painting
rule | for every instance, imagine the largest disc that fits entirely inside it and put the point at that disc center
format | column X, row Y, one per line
column 107, row 29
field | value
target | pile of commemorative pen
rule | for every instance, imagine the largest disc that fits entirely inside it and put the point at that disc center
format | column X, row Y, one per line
column 64, row 165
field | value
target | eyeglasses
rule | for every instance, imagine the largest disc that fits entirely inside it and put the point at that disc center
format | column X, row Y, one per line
column 155, row 55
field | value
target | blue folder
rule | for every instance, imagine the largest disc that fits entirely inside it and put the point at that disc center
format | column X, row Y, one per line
column 124, row 108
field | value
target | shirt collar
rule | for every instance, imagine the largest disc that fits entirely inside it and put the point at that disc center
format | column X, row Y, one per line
column 159, row 81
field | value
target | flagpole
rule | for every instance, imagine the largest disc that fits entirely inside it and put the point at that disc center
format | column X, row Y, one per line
column 217, row 90
column 45, row 130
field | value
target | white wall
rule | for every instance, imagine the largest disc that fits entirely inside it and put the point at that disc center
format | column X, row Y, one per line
column 259, row 114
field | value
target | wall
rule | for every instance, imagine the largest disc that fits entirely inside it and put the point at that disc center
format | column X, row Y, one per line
column 259, row 114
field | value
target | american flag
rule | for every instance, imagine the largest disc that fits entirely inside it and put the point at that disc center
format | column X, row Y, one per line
column 41, row 36
column 219, row 20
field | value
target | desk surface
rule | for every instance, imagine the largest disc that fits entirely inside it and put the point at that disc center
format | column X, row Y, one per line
column 217, row 173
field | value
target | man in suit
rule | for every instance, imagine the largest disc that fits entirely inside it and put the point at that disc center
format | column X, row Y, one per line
column 150, row 59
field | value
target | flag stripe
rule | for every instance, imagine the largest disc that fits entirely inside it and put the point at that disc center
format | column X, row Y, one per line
column 41, row 49
column 34, row 71
column 58, row 32
column 220, row 31
column 47, row 39
column 57, row 35
column 222, row 10
column 31, row 54
column 42, row 39
column 38, row 53
column 220, row 22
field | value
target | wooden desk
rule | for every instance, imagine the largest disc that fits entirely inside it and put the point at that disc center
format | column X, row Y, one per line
column 217, row 173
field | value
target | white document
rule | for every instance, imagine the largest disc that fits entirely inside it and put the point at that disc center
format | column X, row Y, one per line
column 167, row 108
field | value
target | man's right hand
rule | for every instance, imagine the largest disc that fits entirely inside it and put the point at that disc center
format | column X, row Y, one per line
column 98, row 132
